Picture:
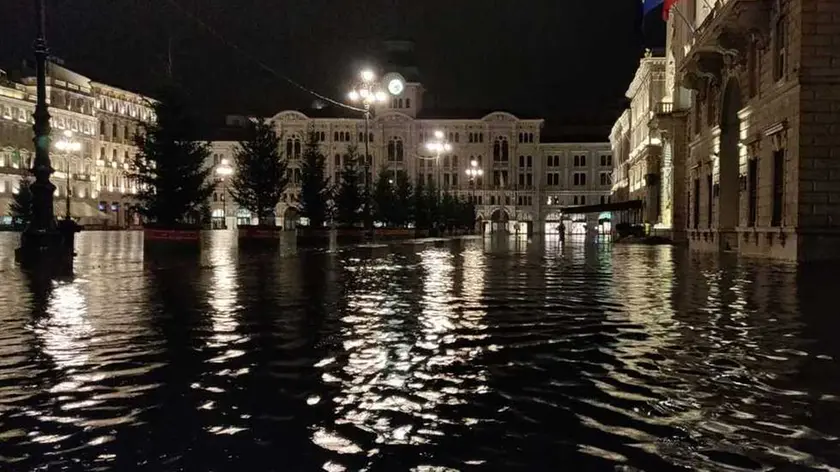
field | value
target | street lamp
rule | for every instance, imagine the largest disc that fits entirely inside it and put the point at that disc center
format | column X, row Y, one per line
column 474, row 172
column 44, row 244
column 438, row 146
column 368, row 93
column 68, row 145
column 222, row 171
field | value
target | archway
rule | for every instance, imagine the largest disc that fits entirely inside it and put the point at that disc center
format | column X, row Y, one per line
column 499, row 221
column 729, row 159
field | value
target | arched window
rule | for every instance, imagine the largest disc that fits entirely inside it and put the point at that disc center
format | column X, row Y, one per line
column 346, row 136
column 501, row 150
column 396, row 152
column 323, row 136
column 293, row 147
column 335, row 136
column 400, row 103
column 114, row 132
column 470, row 137
column 457, row 137
column 370, row 137
column 361, row 137
column 392, row 149
column 408, row 103
column 102, row 128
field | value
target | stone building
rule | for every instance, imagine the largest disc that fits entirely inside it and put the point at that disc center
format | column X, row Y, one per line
column 642, row 141
column 119, row 114
column 755, row 83
column 525, row 184
column 80, row 110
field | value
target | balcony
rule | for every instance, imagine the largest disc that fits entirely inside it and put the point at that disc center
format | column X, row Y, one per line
column 665, row 116
column 501, row 164
column 722, row 41
column 663, row 108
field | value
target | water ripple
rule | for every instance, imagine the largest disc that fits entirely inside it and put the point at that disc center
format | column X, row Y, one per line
column 431, row 356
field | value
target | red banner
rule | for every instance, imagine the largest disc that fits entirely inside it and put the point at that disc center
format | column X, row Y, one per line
column 666, row 10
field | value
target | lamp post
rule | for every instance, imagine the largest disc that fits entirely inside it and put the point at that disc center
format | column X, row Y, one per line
column 68, row 145
column 474, row 172
column 438, row 146
column 367, row 93
column 44, row 244
column 223, row 171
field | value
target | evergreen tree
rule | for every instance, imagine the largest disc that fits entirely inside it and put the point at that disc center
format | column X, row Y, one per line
column 260, row 178
column 384, row 198
column 403, row 211
column 350, row 196
column 21, row 206
column 421, row 205
column 169, row 166
column 448, row 210
column 315, row 193
column 433, row 207
column 467, row 214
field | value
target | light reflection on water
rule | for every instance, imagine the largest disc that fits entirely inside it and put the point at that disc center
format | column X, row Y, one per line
column 497, row 354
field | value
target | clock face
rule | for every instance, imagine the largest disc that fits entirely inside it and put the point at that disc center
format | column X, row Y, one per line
column 396, row 86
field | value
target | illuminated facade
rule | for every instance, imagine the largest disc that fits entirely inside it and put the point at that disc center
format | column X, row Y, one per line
column 525, row 183
column 755, row 84
column 645, row 142
column 119, row 114
column 80, row 111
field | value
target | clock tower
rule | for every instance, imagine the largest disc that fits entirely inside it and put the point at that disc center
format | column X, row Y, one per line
column 402, row 78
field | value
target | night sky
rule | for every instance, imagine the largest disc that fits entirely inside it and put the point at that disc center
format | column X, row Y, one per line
column 558, row 58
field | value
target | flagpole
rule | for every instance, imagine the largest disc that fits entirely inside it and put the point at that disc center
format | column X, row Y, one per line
column 675, row 7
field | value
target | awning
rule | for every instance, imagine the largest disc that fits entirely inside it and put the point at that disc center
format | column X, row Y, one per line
column 78, row 210
column 618, row 206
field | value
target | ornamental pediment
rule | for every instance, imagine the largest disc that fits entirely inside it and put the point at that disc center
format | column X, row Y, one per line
column 290, row 115
column 500, row 116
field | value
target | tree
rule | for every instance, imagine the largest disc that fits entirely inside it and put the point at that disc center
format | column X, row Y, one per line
column 422, row 218
column 260, row 177
column 448, row 211
column 315, row 191
column 169, row 166
column 403, row 211
column 384, row 198
column 21, row 206
column 433, row 207
column 350, row 196
column 467, row 214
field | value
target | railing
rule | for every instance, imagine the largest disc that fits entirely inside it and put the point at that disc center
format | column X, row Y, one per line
column 664, row 108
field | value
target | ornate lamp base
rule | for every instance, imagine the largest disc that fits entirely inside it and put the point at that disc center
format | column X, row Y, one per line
column 49, row 250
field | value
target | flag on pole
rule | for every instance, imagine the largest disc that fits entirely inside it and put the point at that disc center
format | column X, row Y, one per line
column 649, row 5
column 666, row 10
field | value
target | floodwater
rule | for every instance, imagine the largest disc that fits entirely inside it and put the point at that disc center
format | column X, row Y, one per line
column 478, row 354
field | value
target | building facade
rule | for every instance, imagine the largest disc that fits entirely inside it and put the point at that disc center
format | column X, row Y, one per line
column 752, row 90
column 91, row 174
column 647, row 166
column 525, row 185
